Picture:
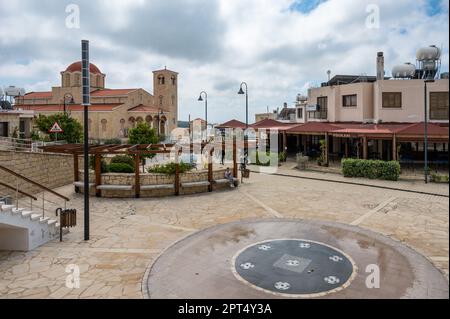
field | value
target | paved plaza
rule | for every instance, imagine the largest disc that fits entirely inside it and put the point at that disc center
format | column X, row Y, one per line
column 128, row 235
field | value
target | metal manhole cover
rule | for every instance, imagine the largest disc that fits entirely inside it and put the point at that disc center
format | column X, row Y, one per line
column 294, row 267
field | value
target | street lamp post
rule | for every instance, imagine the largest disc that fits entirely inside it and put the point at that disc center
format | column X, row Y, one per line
column 425, row 139
column 241, row 91
column 200, row 99
column 66, row 96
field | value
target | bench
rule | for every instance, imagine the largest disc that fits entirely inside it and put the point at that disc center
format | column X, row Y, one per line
column 155, row 187
column 81, row 184
column 225, row 181
column 195, row 184
column 115, row 187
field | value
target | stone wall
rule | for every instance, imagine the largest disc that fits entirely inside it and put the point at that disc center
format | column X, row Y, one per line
column 153, row 179
column 50, row 170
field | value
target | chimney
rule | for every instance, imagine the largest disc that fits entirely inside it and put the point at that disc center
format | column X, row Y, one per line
column 380, row 66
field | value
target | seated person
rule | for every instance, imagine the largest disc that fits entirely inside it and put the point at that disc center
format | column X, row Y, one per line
column 229, row 177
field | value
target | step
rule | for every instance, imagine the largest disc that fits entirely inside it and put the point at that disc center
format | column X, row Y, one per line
column 52, row 222
column 81, row 184
column 224, row 181
column 44, row 220
column 7, row 208
column 26, row 213
column 16, row 211
column 35, row 217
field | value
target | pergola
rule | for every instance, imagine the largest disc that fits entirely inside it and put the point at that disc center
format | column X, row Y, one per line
column 137, row 151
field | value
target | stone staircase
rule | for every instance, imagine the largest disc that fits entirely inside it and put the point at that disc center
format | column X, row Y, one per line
column 24, row 230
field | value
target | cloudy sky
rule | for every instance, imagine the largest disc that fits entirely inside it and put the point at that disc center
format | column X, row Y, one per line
column 279, row 47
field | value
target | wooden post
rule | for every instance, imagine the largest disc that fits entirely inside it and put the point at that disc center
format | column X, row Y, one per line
column 137, row 178
column 365, row 147
column 210, row 171
column 98, row 175
column 76, row 177
column 394, row 148
column 327, row 151
column 177, row 173
column 284, row 141
column 235, row 167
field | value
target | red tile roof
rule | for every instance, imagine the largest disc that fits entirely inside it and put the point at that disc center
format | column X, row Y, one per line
column 72, row 107
column 111, row 92
column 419, row 129
column 313, row 127
column 37, row 95
column 143, row 108
column 273, row 124
column 76, row 67
column 232, row 124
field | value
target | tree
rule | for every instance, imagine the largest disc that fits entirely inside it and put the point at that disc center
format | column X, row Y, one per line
column 143, row 134
column 73, row 131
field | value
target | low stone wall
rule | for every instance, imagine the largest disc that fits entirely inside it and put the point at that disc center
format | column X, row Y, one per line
column 153, row 179
column 50, row 170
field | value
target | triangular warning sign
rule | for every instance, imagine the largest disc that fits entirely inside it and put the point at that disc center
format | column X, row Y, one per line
column 56, row 128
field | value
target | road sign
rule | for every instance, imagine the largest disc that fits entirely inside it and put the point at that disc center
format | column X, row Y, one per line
column 56, row 128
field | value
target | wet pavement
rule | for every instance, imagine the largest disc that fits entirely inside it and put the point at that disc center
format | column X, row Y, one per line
column 274, row 258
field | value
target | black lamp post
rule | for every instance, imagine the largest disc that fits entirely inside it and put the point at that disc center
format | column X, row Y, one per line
column 241, row 91
column 66, row 96
column 425, row 139
column 200, row 98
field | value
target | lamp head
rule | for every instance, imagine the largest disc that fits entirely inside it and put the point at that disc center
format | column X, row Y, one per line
column 200, row 98
column 241, row 91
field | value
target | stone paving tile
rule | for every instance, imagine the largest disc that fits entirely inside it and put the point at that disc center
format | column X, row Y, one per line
column 127, row 235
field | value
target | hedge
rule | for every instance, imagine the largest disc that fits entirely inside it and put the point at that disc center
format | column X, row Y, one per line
column 169, row 168
column 373, row 169
column 120, row 168
column 123, row 159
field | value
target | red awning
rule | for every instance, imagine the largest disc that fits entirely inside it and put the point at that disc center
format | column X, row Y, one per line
column 232, row 124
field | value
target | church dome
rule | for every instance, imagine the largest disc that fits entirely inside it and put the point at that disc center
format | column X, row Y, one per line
column 76, row 67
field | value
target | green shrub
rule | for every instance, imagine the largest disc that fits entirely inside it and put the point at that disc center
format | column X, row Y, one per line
column 123, row 159
column 120, row 168
column 269, row 159
column 438, row 178
column 169, row 168
column 103, row 164
column 371, row 169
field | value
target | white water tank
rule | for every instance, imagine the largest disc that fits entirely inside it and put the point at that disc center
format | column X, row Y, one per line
column 406, row 70
column 429, row 53
column 301, row 98
column 14, row 91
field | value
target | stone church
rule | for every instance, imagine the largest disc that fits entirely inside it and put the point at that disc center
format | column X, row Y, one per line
column 113, row 111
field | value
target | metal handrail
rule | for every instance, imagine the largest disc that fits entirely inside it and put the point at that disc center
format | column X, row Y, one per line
column 19, row 191
column 33, row 182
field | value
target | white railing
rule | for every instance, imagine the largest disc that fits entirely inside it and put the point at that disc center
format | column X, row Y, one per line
column 24, row 145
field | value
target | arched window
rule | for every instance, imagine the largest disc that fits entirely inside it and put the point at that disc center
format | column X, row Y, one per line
column 161, row 100
column 122, row 123
column 104, row 125
column 132, row 120
column 173, row 99
column 174, row 80
column 139, row 119
column 77, row 79
column 67, row 80
column 148, row 119
column 161, row 79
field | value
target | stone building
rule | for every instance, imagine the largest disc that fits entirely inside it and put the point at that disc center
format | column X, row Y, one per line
column 113, row 111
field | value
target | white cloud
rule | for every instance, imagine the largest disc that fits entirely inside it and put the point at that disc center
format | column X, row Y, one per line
column 215, row 45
